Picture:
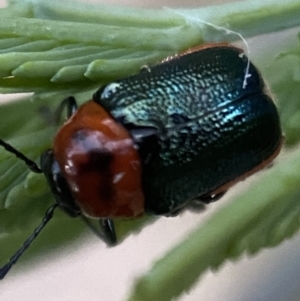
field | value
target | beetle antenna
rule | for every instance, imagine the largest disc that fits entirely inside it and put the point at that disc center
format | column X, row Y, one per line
column 48, row 215
column 31, row 164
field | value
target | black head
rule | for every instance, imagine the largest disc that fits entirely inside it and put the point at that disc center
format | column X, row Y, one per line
column 58, row 184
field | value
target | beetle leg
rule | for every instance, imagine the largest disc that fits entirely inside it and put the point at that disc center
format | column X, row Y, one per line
column 198, row 204
column 108, row 231
column 104, row 229
column 210, row 197
column 70, row 103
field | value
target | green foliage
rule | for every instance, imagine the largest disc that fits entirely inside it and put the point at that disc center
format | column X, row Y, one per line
column 285, row 85
column 58, row 45
column 262, row 217
column 59, row 48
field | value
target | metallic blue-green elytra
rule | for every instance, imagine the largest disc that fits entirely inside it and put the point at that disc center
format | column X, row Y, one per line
column 199, row 129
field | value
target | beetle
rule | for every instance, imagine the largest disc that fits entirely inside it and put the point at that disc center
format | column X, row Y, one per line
column 187, row 128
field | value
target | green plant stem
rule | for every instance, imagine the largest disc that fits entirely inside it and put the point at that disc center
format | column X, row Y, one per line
column 36, row 42
column 247, row 224
column 148, row 28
